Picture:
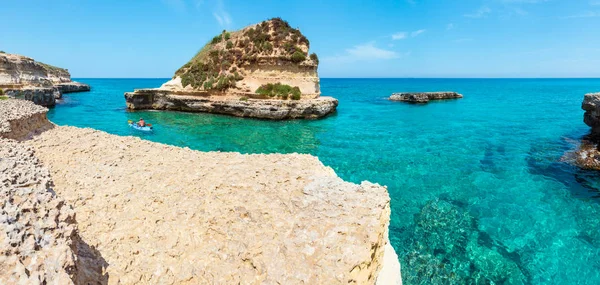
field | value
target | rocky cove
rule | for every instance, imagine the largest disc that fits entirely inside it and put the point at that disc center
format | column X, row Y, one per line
column 133, row 211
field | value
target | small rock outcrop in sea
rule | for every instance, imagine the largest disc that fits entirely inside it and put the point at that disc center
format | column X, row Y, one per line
column 591, row 117
column 262, row 71
column 423, row 97
column 22, row 77
column 587, row 153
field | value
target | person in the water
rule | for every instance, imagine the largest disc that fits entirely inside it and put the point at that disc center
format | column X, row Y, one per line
column 141, row 122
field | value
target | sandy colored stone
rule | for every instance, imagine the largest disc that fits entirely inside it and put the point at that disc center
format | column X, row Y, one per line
column 20, row 119
column 163, row 215
column 38, row 232
column 19, row 70
column 24, row 78
column 228, row 105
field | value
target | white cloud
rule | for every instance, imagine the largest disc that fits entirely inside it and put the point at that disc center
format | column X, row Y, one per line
column 399, row 36
column 221, row 15
column 370, row 51
column 480, row 13
column 365, row 52
column 416, row 33
column 450, row 26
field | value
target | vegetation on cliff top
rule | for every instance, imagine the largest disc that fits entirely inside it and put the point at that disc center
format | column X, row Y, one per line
column 219, row 65
column 52, row 68
column 282, row 91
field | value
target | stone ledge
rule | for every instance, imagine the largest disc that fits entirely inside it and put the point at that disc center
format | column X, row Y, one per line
column 423, row 97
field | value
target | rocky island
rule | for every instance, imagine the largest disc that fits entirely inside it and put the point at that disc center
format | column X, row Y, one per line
column 423, row 97
column 23, row 77
column 85, row 207
column 261, row 71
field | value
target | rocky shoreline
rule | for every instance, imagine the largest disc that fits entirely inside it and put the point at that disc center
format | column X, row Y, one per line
column 154, row 213
column 424, row 97
column 161, row 99
column 24, row 78
column 587, row 153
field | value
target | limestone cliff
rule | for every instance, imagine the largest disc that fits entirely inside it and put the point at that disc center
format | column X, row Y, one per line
column 23, row 77
column 242, row 61
column 264, row 65
column 18, row 70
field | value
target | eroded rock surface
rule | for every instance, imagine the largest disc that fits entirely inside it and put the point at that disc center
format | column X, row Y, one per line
column 591, row 117
column 162, row 215
column 423, row 97
column 587, row 153
column 71, row 87
column 252, row 108
column 20, row 119
column 39, row 243
column 36, row 228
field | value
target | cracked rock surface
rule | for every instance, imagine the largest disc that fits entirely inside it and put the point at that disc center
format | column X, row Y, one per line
column 160, row 214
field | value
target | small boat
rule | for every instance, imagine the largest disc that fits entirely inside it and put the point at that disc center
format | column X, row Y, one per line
column 147, row 128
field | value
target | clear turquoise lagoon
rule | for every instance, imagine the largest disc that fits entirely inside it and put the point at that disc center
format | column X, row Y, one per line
column 479, row 192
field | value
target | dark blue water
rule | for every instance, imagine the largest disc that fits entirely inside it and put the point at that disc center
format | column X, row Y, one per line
column 479, row 193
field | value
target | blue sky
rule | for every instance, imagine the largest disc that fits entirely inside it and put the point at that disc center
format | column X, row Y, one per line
column 353, row 38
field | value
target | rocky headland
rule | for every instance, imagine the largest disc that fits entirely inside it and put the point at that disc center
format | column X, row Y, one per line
column 261, row 71
column 158, row 214
column 23, row 77
column 423, row 97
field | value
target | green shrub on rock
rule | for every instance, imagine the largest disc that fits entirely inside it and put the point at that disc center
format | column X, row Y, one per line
column 296, row 93
column 217, row 39
column 280, row 90
column 314, row 57
column 298, row 57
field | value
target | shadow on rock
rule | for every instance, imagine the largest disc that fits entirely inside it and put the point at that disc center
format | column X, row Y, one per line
column 91, row 266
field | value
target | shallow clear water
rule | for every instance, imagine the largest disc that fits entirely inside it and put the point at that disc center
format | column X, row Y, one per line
column 478, row 190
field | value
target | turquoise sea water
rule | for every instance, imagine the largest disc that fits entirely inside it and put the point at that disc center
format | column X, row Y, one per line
column 479, row 194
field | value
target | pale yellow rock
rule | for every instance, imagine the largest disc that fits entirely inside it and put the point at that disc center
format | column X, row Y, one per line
column 166, row 215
